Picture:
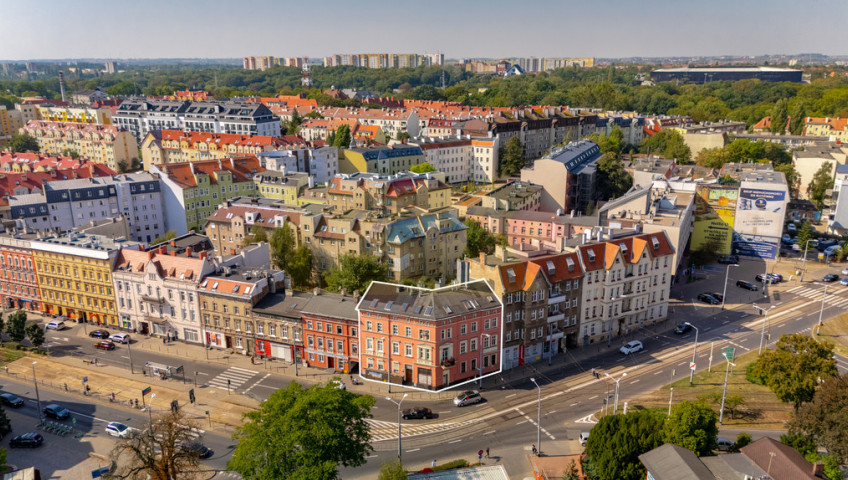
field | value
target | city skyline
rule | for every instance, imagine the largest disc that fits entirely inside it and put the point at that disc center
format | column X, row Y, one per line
column 471, row 29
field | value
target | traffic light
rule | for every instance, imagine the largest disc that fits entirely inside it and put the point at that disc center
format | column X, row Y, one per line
column 175, row 406
column 191, row 396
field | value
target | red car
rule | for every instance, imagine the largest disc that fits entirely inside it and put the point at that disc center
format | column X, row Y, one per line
column 105, row 345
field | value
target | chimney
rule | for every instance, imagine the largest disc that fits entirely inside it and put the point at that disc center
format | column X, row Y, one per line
column 202, row 255
column 163, row 250
column 356, row 295
column 174, row 253
column 482, row 259
column 188, row 251
column 173, row 243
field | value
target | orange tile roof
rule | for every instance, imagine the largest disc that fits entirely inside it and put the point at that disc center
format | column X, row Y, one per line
column 194, row 138
column 519, row 270
column 242, row 169
column 169, row 266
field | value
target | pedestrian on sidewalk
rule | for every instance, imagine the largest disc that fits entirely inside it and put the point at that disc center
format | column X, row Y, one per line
column 534, row 449
column 434, row 463
column 480, row 456
column 487, row 452
column 7, row 369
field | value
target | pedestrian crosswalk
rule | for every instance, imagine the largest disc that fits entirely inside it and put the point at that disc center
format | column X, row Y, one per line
column 232, row 378
column 835, row 294
column 382, row 430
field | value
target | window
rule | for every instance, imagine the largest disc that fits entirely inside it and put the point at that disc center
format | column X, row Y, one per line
column 408, row 350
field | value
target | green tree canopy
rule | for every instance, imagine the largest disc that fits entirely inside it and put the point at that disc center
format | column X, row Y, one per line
column 825, row 418
column 613, row 179
column 692, row 425
column 35, row 334
column 356, row 272
column 779, row 116
column 23, row 143
column 257, row 234
column 16, row 326
column 303, row 434
column 422, row 168
column 793, row 178
column 164, row 237
column 667, row 143
column 511, row 158
column 796, row 121
column 805, row 233
column 300, row 267
column 392, row 471
column 478, row 239
column 821, row 182
column 341, row 137
column 282, row 245
column 793, row 369
column 618, row 440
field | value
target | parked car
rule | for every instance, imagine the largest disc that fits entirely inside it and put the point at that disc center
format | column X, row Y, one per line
column 584, row 437
column 120, row 337
column 830, row 277
column 845, row 271
column 831, row 250
column 814, row 243
column 631, row 347
column 99, row 334
column 791, row 228
column 55, row 325
column 468, row 397
column 198, row 449
column 417, row 412
column 27, row 440
column 56, row 411
column 796, row 247
column 844, row 282
column 11, row 400
column 746, row 285
column 723, row 445
column 768, row 278
column 728, row 259
column 776, row 276
column 118, row 429
column 786, row 238
column 104, row 345
column 707, row 298
column 717, row 296
column 682, row 328
column 825, row 244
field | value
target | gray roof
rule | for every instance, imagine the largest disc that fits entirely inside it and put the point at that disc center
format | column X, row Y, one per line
column 488, row 472
column 634, row 192
column 427, row 304
column 282, row 304
column 332, row 305
column 670, row 462
column 576, row 155
column 732, row 466
column 487, row 212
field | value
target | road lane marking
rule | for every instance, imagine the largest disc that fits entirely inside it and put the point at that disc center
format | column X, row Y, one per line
column 592, row 398
column 512, row 395
column 413, row 450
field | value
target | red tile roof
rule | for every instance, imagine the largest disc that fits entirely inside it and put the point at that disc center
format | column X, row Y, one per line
column 242, row 169
column 221, row 139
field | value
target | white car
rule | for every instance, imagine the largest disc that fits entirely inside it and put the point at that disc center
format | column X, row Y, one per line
column 120, row 338
column 336, row 383
column 55, row 325
column 845, row 271
column 791, row 227
column 117, row 429
column 631, row 347
column 796, row 247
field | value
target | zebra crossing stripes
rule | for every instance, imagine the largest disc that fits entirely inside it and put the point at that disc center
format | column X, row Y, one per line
column 236, row 377
column 382, row 430
column 833, row 297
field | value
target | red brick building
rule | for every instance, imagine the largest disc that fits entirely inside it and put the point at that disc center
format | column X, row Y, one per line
column 429, row 339
column 18, row 280
column 330, row 328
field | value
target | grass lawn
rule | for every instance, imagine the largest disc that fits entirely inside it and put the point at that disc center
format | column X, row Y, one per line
column 8, row 355
column 835, row 331
column 762, row 409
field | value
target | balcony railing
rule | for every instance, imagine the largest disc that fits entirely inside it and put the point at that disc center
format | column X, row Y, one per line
column 448, row 362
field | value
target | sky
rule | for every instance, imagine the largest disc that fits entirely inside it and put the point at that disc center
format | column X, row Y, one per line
column 57, row 29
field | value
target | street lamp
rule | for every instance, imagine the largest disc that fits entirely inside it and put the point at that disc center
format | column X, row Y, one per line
column 615, row 407
column 821, row 312
column 724, row 394
column 37, row 398
column 480, row 365
column 150, row 410
column 804, row 264
column 765, row 321
column 129, row 352
column 398, row 405
column 694, row 351
column 724, row 295
column 538, row 418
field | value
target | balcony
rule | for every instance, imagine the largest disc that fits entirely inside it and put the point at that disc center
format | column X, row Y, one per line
column 556, row 297
column 556, row 318
column 448, row 362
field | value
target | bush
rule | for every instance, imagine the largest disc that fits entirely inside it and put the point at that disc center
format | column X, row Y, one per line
column 742, row 440
column 10, row 345
column 451, row 465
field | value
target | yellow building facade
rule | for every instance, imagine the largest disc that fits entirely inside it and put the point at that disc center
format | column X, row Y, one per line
column 107, row 144
column 97, row 116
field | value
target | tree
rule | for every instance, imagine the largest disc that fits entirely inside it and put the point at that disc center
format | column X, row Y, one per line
column 742, row 440
column 356, row 272
column 257, row 234
column 511, row 157
column 35, row 334
column 692, row 425
column 164, row 237
column 707, row 253
column 16, row 326
column 70, row 152
column 669, row 144
column 422, row 168
column 779, row 116
column 341, row 137
column 571, row 472
column 796, row 120
column 300, row 266
column 23, row 143
column 821, row 182
column 5, row 426
column 618, row 440
column 613, row 179
column 825, row 418
column 303, row 434
column 282, row 245
column 156, row 452
column 793, row 370
column 805, row 233
column 478, row 239
column 392, row 471
column 292, row 127
column 793, row 179
column 733, row 402
column 401, row 136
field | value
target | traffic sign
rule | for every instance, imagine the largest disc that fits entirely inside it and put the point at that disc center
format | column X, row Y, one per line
column 146, row 391
column 692, row 365
column 180, row 369
column 728, row 353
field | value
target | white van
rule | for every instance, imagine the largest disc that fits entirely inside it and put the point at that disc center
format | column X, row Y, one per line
column 724, row 445
column 584, row 437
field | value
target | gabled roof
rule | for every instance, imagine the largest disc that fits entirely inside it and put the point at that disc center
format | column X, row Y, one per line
column 670, row 462
column 780, row 461
column 565, row 266
column 243, row 169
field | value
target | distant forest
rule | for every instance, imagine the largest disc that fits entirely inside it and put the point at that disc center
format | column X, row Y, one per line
column 610, row 88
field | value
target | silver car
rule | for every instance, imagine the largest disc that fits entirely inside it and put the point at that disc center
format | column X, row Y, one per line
column 468, row 397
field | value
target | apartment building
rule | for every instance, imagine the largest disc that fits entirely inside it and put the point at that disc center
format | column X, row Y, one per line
column 384, row 60
column 177, row 146
column 388, row 160
column 425, row 245
column 234, row 220
column 141, row 116
column 321, row 163
column 107, row 144
column 391, row 121
column 367, row 191
column 74, row 114
column 227, row 299
column 280, row 315
column 331, row 329
column 451, row 156
column 18, row 278
column 541, row 298
column 259, row 63
column 568, row 176
column 809, row 160
column 282, row 185
column 193, row 190
column 626, row 285
column 513, row 196
column 75, row 275
column 10, row 122
column 535, row 227
column 429, row 339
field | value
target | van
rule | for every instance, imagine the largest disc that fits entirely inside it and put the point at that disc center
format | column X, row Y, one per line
column 583, row 438
column 724, row 445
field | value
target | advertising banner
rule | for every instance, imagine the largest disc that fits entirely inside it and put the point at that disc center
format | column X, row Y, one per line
column 756, row 246
column 715, row 209
column 760, row 212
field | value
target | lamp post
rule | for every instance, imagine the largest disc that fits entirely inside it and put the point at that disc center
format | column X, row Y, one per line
column 765, row 281
column 765, row 321
column 398, row 405
column 724, row 394
column 615, row 407
column 150, row 410
column 37, row 398
column 724, row 294
column 821, row 312
column 538, row 418
column 670, row 396
column 480, row 365
column 129, row 352
column 804, row 263
column 694, row 351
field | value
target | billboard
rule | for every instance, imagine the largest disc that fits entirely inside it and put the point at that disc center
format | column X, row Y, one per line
column 757, row 246
column 715, row 211
column 761, row 212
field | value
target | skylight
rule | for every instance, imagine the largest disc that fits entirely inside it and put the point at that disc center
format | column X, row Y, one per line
column 511, row 274
column 215, row 286
column 389, row 305
column 551, row 267
column 374, row 303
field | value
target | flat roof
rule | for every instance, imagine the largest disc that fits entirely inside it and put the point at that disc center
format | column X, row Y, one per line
column 726, row 69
